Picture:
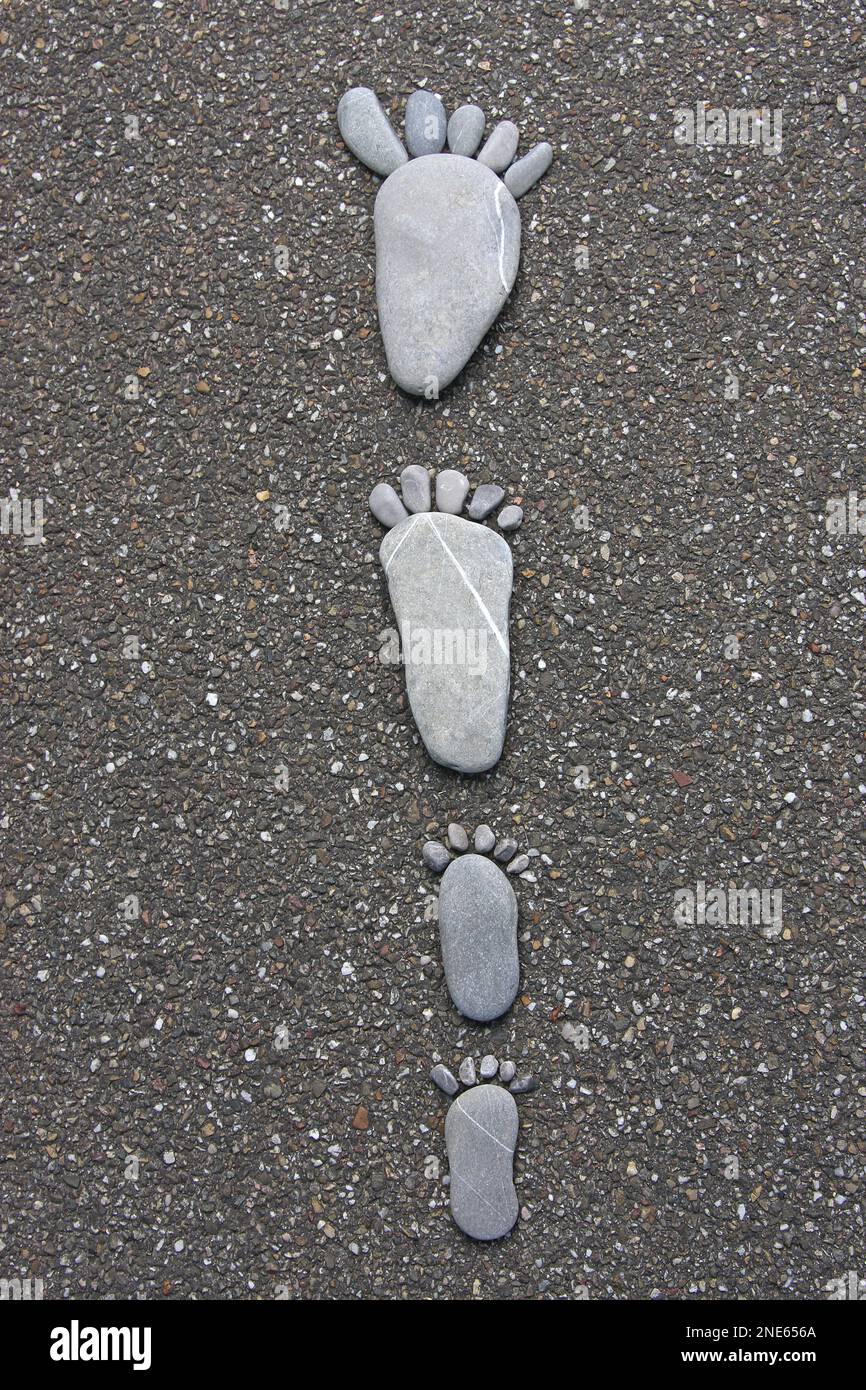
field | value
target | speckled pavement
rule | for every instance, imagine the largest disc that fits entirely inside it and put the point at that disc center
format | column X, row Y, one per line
column 220, row 989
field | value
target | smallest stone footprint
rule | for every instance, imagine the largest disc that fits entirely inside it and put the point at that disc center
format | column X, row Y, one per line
column 481, row 1136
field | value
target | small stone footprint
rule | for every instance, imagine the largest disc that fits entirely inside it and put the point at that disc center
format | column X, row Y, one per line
column 447, row 229
column 478, row 920
column 481, row 1136
column 450, row 583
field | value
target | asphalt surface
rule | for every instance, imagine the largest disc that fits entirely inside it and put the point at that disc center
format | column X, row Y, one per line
column 218, row 949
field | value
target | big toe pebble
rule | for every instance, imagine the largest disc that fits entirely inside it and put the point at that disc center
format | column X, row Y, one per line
column 368, row 132
column 481, row 1136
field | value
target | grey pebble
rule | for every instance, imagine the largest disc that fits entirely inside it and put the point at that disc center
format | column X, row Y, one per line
column 478, row 932
column 447, row 251
column 426, row 560
column 518, row 864
column 507, row 1071
column 465, row 130
column 484, row 839
column 510, row 518
column 425, row 123
column 435, row 856
column 386, row 505
column 489, row 1067
column 457, row 837
column 368, row 132
column 445, row 1079
column 415, row 487
column 500, row 147
column 451, row 490
column 481, row 1134
column 523, row 1084
column 467, row 1071
column 505, row 850
column 485, row 500
column 528, row 170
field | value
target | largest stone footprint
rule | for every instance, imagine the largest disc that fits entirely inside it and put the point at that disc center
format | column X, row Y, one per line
column 447, row 229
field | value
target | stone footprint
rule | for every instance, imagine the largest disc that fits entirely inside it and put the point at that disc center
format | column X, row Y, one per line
column 450, row 579
column 481, row 1136
column 447, row 229
column 478, row 920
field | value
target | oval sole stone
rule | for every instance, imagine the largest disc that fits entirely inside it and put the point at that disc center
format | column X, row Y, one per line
column 481, row 1136
column 478, row 934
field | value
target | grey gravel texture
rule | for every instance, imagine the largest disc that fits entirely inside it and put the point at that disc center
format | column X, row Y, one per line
column 602, row 385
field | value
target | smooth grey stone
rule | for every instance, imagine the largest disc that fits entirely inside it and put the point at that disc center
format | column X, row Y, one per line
column 467, row 1071
column 481, row 1136
column 425, row 123
column 447, row 251
column 518, row 864
column 510, row 518
column 522, row 1084
column 415, row 487
column 457, row 837
column 489, row 1067
column 368, row 132
column 450, row 584
column 507, row 1071
column 484, row 501
column 445, row 1079
column 435, row 856
column 505, row 850
column 484, row 839
column 465, row 130
column 478, row 932
column 528, row 170
column 500, row 147
column 386, row 505
column 451, row 490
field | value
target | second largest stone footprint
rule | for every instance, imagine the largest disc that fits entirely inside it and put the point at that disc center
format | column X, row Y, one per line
column 450, row 583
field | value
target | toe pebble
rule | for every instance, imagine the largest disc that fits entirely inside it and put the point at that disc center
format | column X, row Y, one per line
column 457, row 837
column 415, row 487
column 522, row 1084
column 507, row 1071
column 386, row 505
column 425, row 123
column 528, row 170
column 451, row 490
column 505, row 850
column 485, row 500
column 445, row 1079
column 518, row 864
column 465, row 130
column 484, row 839
column 489, row 1067
column 467, row 1071
column 510, row 518
column 436, row 856
column 481, row 1135
column 368, row 132
column 501, row 147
